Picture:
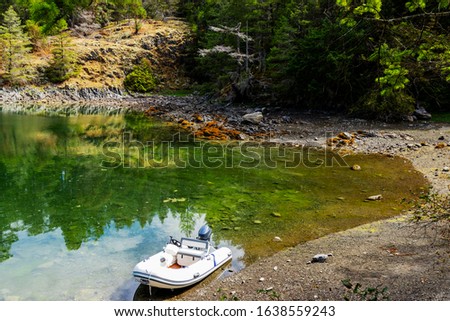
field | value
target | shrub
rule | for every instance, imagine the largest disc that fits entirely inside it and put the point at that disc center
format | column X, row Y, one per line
column 141, row 78
column 388, row 107
column 433, row 211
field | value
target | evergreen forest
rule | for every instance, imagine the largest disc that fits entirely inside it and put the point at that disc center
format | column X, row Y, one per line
column 371, row 58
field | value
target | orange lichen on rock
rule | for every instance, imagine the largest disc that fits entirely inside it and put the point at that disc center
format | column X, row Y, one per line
column 342, row 139
column 185, row 123
column 198, row 118
column 215, row 130
column 151, row 110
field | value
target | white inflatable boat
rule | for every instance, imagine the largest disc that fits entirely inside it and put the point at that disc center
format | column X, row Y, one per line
column 182, row 263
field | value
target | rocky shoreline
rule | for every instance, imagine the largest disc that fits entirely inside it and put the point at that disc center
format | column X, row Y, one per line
column 391, row 254
column 394, row 258
column 391, row 259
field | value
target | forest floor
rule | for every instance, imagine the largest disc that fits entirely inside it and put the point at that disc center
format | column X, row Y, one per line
column 394, row 258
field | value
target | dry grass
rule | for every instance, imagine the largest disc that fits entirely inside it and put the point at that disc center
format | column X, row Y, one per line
column 106, row 55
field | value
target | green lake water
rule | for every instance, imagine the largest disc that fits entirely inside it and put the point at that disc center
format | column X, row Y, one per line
column 84, row 198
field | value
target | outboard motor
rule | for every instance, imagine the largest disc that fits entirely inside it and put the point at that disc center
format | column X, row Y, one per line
column 204, row 233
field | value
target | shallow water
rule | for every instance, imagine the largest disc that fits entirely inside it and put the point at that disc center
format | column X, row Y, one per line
column 84, row 198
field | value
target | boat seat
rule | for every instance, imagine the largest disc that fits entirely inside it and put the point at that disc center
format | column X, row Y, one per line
column 194, row 243
column 191, row 251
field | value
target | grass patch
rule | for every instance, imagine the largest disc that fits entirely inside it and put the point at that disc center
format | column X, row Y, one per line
column 441, row 117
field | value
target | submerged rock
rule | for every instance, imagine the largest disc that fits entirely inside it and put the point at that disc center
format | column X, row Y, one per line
column 375, row 197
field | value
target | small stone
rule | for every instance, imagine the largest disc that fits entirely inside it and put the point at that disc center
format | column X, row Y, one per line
column 254, row 118
column 345, row 135
column 261, row 279
column 446, row 169
column 277, row 239
column 375, row 197
column 320, row 258
column 356, row 167
column 275, row 268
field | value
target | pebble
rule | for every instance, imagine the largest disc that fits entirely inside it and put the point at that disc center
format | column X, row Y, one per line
column 446, row 169
column 375, row 197
column 261, row 279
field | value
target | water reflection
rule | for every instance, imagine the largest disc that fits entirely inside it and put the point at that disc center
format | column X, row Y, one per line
column 72, row 229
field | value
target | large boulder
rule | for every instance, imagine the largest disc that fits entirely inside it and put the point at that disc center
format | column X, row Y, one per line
column 421, row 114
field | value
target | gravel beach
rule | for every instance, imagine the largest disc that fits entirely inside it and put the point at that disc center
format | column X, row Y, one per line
column 394, row 259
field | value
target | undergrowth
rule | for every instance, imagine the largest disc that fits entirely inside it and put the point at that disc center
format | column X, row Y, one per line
column 432, row 211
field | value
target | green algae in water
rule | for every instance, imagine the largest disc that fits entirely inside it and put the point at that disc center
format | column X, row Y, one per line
column 52, row 179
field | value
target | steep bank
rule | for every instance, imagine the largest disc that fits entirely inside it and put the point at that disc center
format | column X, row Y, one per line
column 105, row 56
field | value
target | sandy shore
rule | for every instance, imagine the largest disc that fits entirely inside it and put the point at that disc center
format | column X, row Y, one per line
column 395, row 257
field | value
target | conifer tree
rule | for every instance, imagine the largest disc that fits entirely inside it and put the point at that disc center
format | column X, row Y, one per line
column 64, row 64
column 15, row 48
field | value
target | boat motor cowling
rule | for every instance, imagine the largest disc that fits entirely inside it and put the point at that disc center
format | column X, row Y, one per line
column 204, row 233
